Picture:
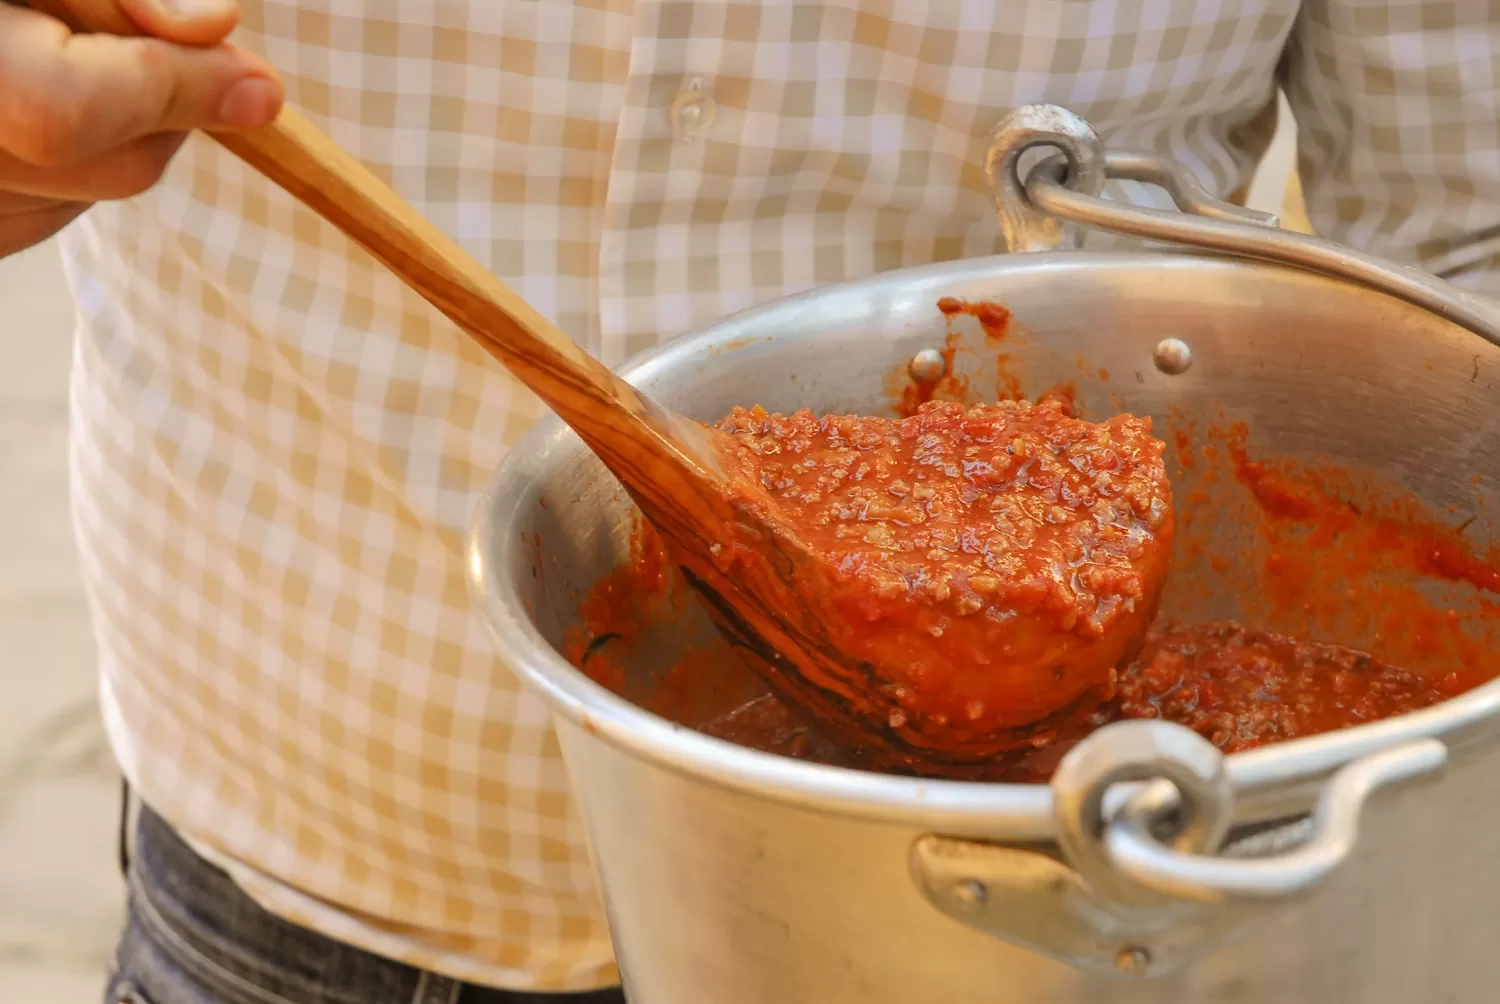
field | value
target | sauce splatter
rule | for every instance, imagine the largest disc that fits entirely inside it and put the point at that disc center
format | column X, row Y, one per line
column 908, row 393
column 1323, row 551
column 994, row 320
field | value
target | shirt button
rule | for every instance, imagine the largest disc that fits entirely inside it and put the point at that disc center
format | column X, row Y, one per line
column 693, row 112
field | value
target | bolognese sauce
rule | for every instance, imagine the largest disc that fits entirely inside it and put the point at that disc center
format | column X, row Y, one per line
column 1237, row 687
column 983, row 549
column 1242, row 688
column 996, row 562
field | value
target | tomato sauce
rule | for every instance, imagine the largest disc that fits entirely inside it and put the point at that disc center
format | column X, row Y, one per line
column 1305, row 555
column 1237, row 687
column 1242, row 688
column 997, row 561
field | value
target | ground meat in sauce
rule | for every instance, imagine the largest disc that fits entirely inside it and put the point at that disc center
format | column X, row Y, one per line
column 1005, row 506
column 1237, row 687
column 1242, row 688
column 1005, row 557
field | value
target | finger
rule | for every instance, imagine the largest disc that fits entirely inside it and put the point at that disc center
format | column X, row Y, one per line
column 66, row 98
column 118, row 174
column 186, row 22
column 17, row 204
column 20, row 231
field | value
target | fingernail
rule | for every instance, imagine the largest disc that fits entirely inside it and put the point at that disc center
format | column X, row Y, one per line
column 252, row 102
column 197, row 8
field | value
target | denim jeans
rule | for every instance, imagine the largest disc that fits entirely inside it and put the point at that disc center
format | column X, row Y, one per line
column 192, row 937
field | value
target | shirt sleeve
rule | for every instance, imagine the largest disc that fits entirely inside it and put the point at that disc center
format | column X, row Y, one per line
column 1398, row 130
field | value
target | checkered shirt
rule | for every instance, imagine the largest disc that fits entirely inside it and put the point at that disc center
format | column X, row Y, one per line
column 277, row 446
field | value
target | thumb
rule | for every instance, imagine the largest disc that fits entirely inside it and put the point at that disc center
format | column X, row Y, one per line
column 67, row 98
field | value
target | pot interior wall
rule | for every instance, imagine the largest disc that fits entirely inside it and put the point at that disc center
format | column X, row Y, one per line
column 1374, row 405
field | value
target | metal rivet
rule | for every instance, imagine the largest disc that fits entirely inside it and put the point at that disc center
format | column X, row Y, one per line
column 971, row 894
column 1172, row 356
column 1133, row 959
column 926, row 365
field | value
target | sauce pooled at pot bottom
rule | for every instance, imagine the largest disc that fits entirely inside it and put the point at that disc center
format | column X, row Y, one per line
column 1242, row 688
column 1237, row 687
column 987, row 568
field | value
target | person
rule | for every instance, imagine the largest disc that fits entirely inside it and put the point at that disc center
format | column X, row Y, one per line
column 276, row 446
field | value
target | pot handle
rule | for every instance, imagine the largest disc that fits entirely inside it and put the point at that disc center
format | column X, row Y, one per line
column 1135, row 852
column 1143, row 885
column 1066, row 187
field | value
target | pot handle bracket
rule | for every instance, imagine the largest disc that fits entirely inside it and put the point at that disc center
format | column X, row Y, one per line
column 1045, row 204
column 1140, row 883
column 1078, row 165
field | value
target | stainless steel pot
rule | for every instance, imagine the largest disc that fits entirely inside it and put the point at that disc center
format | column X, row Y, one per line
column 1152, row 868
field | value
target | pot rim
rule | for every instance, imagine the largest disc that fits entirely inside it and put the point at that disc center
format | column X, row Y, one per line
column 1270, row 781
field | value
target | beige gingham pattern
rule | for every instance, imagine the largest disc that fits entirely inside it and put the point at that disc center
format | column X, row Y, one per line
column 277, row 446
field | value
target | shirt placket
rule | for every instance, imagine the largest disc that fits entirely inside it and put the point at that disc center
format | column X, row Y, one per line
column 648, row 291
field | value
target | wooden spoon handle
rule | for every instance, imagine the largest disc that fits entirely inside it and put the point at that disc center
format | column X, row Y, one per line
column 301, row 159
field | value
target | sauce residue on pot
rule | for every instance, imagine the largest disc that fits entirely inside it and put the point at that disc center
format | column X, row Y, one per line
column 995, row 323
column 908, row 392
column 1325, row 551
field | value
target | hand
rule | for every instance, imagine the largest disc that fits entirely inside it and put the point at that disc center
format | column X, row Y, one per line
column 85, row 118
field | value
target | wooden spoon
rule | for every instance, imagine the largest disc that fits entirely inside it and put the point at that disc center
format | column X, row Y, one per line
column 754, row 572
